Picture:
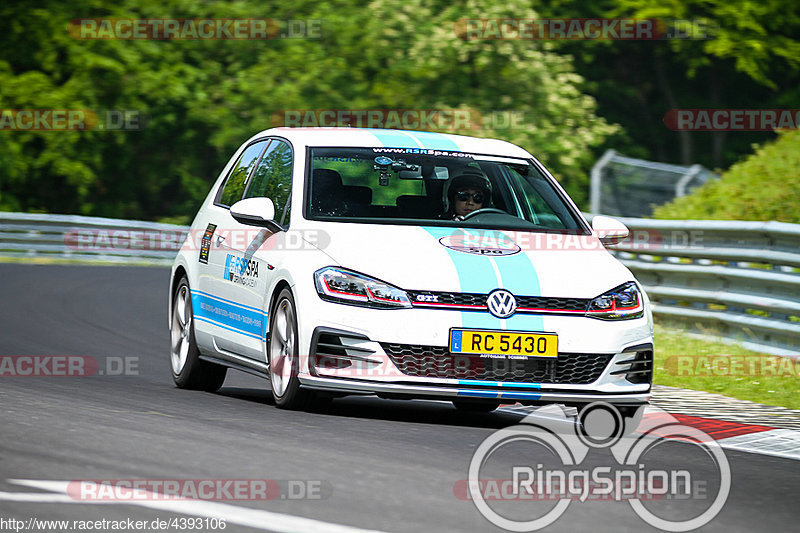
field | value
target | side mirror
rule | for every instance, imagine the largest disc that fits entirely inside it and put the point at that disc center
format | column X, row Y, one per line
column 256, row 212
column 609, row 230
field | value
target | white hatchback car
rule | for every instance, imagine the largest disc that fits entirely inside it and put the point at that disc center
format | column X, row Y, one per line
column 405, row 264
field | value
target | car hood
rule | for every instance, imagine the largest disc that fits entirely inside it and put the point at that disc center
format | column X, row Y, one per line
column 473, row 260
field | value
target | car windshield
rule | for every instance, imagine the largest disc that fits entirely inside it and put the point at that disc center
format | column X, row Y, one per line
column 432, row 187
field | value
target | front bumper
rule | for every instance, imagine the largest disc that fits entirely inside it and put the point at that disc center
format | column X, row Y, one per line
column 344, row 362
column 408, row 390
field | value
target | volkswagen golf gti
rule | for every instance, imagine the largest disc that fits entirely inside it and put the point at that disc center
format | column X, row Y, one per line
column 405, row 264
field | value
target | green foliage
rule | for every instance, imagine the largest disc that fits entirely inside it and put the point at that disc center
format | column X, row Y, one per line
column 765, row 186
column 751, row 59
column 204, row 97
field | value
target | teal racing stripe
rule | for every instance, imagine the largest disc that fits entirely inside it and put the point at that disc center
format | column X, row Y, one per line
column 498, row 395
column 229, row 315
column 434, row 141
column 475, row 274
column 518, row 276
column 499, row 384
column 235, row 330
column 394, row 139
column 479, row 393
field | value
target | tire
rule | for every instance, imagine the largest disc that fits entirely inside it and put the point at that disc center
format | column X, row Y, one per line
column 284, row 358
column 188, row 370
column 472, row 406
column 613, row 422
column 632, row 417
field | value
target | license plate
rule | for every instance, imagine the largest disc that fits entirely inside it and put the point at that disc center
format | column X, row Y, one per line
column 507, row 343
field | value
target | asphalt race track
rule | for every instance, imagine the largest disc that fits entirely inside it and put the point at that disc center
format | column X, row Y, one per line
column 361, row 464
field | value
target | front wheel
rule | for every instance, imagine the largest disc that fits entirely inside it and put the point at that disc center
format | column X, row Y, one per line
column 284, row 358
column 188, row 370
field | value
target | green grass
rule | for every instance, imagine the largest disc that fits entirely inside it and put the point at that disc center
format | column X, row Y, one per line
column 691, row 363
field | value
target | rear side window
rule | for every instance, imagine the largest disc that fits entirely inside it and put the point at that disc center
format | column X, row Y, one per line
column 273, row 179
column 234, row 186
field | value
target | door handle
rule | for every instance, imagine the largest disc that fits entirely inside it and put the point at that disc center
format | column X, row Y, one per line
column 220, row 238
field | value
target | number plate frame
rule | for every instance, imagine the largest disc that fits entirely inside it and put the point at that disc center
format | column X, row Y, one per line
column 464, row 336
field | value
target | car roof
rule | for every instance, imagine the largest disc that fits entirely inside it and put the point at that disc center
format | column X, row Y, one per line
column 376, row 138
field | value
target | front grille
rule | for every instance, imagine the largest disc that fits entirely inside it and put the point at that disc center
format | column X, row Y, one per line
column 438, row 362
column 638, row 368
column 537, row 304
column 331, row 349
column 554, row 304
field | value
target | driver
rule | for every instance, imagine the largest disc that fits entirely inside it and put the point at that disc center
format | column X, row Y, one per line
column 466, row 193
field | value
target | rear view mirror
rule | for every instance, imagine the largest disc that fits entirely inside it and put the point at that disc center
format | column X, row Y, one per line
column 609, row 230
column 256, row 212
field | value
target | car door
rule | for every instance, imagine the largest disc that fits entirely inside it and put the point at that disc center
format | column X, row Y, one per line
column 251, row 248
column 222, row 310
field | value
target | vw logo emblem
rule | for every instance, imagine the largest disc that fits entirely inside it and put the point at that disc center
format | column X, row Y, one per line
column 501, row 303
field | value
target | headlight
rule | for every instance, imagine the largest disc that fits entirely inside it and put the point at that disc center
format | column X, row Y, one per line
column 623, row 303
column 346, row 287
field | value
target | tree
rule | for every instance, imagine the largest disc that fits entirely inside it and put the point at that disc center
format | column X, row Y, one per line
column 203, row 98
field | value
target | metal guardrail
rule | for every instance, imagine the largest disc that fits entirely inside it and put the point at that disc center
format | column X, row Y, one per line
column 740, row 280
column 93, row 239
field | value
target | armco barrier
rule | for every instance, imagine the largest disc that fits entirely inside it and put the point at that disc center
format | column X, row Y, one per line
column 104, row 240
column 737, row 279
column 740, row 280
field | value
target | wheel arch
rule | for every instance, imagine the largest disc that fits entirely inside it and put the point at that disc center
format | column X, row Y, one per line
column 276, row 290
column 179, row 272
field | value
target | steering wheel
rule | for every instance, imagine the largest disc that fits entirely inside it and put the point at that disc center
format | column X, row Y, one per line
column 484, row 210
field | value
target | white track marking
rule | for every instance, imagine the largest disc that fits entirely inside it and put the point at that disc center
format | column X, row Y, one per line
column 231, row 514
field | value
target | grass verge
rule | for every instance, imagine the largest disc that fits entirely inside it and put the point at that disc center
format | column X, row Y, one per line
column 692, row 363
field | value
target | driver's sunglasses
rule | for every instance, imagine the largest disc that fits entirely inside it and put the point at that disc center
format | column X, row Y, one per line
column 464, row 196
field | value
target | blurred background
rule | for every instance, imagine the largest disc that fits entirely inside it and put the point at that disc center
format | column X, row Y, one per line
column 196, row 100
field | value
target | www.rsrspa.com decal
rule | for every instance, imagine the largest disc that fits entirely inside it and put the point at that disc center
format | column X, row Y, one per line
column 240, row 270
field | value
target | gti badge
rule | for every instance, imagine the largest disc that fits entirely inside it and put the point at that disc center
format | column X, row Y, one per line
column 501, row 303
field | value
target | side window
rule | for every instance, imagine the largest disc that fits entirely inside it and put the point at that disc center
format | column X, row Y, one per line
column 273, row 179
column 234, row 186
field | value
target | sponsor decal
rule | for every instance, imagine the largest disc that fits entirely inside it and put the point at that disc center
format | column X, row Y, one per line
column 205, row 243
column 480, row 244
column 240, row 270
